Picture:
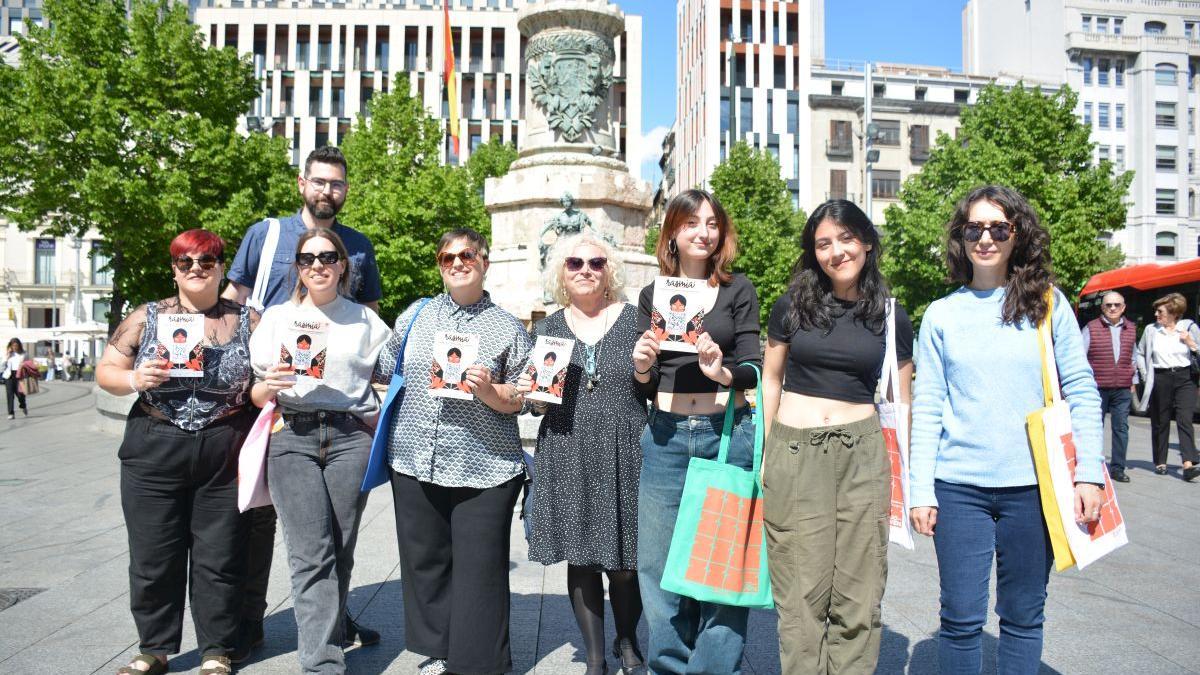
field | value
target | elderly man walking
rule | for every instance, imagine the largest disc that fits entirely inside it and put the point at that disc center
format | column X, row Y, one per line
column 1109, row 342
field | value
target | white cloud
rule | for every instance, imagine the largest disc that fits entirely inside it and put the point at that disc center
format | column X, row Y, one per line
column 649, row 152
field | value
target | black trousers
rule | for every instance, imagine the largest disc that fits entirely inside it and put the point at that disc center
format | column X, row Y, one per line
column 1173, row 397
column 10, row 389
column 454, row 571
column 260, row 547
column 179, row 496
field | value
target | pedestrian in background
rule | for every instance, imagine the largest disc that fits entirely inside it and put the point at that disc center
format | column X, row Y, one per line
column 973, row 484
column 585, row 487
column 1164, row 359
column 1109, row 341
column 14, row 358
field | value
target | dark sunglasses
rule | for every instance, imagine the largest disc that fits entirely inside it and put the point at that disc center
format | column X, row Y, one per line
column 469, row 257
column 326, row 257
column 1000, row 231
column 595, row 264
column 1113, row 305
column 184, row 263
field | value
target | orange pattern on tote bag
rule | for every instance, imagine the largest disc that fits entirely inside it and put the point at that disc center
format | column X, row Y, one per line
column 1110, row 515
column 728, row 545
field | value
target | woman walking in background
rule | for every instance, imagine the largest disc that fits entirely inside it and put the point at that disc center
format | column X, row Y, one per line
column 14, row 357
column 973, row 485
column 1164, row 359
column 585, row 486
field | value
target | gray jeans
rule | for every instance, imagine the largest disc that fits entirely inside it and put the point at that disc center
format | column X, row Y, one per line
column 315, row 468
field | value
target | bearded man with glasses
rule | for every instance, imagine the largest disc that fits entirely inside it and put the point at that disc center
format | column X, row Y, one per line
column 272, row 242
column 1108, row 341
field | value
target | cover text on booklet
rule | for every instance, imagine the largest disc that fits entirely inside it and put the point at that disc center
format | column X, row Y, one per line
column 677, row 318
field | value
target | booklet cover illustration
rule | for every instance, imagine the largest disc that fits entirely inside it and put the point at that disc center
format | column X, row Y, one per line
column 548, row 368
column 677, row 317
column 179, row 335
column 452, row 354
column 304, row 347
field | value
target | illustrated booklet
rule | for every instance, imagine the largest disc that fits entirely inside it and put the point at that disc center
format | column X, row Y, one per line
column 452, row 354
column 677, row 318
column 180, row 336
column 548, row 368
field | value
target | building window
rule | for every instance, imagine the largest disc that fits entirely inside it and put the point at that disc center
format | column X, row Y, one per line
column 918, row 136
column 1120, row 158
column 836, row 88
column 1164, row 202
column 1119, row 73
column 837, row 184
column 16, row 25
column 885, row 184
column 1103, row 117
column 793, row 117
column 841, row 139
column 1164, row 245
column 1102, row 73
column 889, row 132
column 1164, row 115
column 1087, row 114
column 1191, row 119
column 1118, row 26
column 100, row 276
column 1120, row 115
column 1165, row 74
column 43, row 261
column 1189, row 30
column 1087, row 70
column 100, row 310
column 1155, row 28
column 1102, row 24
column 962, row 95
column 1103, row 152
column 724, row 114
column 745, row 120
column 1087, row 23
column 1164, row 157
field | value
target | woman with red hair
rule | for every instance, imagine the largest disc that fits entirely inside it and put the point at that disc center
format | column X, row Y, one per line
column 179, row 460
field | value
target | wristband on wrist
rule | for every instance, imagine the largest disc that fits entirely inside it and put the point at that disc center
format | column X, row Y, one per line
column 643, row 372
column 133, row 383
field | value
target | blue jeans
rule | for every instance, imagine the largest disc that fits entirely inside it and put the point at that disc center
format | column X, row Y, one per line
column 973, row 524
column 315, row 468
column 686, row 635
column 1115, row 403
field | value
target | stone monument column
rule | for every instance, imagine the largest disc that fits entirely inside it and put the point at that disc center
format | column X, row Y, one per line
column 568, row 176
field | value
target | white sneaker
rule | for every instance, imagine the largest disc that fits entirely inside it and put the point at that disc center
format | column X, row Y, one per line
column 432, row 667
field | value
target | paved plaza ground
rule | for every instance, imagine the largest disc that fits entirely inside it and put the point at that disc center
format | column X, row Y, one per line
column 62, row 536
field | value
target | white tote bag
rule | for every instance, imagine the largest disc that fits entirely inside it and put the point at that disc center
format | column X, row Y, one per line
column 893, row 418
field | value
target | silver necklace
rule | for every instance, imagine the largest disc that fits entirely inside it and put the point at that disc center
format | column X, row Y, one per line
column 591, row 353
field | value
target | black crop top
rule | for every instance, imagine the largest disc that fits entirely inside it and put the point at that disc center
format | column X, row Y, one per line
column 842, row 363
column 732, row 324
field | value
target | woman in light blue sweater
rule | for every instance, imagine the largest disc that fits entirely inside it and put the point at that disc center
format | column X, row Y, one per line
column 973, row 486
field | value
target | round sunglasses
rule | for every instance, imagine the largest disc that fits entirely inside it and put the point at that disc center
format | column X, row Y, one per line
column 206, row 262
column 999, row 230
column 469, row 257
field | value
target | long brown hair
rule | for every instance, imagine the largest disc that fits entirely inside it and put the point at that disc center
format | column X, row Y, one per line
column 1030, row 273
column 681, row 207
column 343, row 285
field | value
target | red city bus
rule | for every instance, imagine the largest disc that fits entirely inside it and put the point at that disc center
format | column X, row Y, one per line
column 1141, row 285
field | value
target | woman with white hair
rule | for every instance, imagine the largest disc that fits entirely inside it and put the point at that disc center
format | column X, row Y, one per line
column 588, row 452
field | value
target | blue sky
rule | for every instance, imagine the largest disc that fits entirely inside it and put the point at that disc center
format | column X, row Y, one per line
column 925, row 32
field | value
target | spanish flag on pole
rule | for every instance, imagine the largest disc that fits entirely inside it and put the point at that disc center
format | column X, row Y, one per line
column 451, row 81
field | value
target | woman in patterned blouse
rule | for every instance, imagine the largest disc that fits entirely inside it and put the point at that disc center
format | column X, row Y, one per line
column 457, row 469
column 179, row 460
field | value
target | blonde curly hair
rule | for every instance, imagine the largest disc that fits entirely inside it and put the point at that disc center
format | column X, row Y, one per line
column 554, row 277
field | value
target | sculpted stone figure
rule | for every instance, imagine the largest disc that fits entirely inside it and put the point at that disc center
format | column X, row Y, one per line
column 570, row 221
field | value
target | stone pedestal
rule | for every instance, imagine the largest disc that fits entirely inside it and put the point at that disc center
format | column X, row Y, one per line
column 568, row 146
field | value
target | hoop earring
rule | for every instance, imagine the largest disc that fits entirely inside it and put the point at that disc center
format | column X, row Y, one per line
column 608, row 294
column 672, row 247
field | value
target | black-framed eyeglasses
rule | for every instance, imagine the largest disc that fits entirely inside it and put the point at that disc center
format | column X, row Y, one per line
column 207, row 261
column 319, row 184
column 1000, row 231
column 326, row 257
column 574, row 264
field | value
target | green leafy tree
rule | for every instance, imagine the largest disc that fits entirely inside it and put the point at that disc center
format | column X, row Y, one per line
column 126, row 123
column 749, row 186
column 1029, row 141
column 490, row 160
column 403, row 199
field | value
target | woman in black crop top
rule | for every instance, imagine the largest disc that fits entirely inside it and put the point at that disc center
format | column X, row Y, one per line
column 826, row 474
column 691, row 391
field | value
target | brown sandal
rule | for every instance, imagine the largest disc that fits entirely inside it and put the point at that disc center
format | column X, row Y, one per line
column 224, row 666
column 157, row 667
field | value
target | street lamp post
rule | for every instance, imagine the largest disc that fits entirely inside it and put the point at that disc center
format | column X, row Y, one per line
column 77, row 244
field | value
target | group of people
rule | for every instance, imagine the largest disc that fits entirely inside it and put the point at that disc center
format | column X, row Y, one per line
column 612, row 458
column 1166, row 359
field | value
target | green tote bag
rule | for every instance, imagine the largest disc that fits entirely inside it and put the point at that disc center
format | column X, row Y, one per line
column 719, row 548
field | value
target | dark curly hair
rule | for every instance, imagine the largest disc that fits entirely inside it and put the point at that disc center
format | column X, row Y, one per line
column 1030, row 273
column 811, row 291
